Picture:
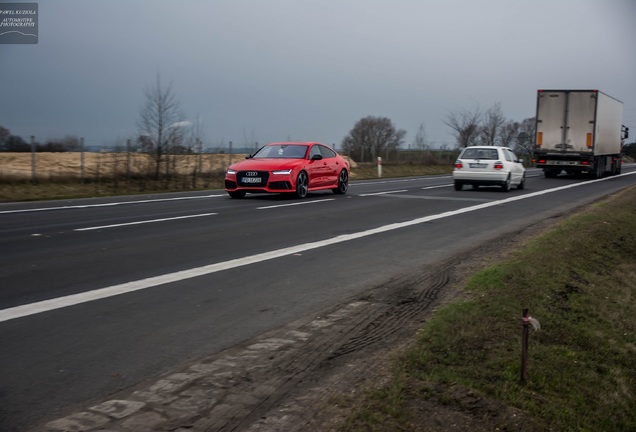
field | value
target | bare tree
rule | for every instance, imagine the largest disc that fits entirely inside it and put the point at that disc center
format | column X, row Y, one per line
column 160, row 120
column 372, row 136
column 420, row 142
column 493, row 122
column 4, row 136
column 508, row 133
column 465, row 124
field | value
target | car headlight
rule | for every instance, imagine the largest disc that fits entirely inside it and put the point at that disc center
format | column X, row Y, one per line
column 231, row 172
column 282, row 172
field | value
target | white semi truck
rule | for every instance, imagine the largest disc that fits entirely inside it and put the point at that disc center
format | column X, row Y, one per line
column 579, row 132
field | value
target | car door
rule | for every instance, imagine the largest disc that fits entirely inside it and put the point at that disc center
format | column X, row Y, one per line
column 332, row 165
column 516, row 168
column 317, row 167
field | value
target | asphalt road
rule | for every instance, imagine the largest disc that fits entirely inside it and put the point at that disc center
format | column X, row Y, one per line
column 98, row 295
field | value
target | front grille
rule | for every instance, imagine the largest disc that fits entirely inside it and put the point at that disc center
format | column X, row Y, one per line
column 252, row 178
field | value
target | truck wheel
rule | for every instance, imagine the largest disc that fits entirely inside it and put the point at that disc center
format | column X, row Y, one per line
column 550, row 173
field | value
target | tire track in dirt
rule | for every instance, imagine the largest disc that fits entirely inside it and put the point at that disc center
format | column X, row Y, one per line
column 394, row 317
column 374, row 323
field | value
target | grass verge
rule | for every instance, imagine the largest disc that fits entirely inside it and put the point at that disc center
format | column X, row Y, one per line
column 579, row 280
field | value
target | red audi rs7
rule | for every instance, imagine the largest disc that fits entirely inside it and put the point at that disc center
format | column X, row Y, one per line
column 289, row 167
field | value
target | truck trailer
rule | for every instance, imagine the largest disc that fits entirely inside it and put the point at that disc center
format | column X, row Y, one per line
column 579, row 132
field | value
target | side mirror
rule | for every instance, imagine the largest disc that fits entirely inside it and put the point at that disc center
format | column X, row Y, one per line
column 248, row 157
column 316, row 157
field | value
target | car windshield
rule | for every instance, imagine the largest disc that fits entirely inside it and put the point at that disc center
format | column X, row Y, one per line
column 473, row 153
column 282, row 151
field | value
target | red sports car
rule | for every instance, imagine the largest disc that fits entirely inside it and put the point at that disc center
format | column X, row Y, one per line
column 289, row 167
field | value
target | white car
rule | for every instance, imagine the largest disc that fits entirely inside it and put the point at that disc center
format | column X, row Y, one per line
column 488, row 166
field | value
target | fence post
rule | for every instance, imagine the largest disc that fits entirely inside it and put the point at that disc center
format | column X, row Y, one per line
column 82, row 160
column 33, row 174
column 200, row 155
column 128, row 156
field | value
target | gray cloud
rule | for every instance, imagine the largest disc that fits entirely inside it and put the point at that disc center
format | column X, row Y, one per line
column 269, row 70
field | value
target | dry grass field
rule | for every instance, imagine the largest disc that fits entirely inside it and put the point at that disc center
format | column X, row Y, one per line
column 60, row 175
column 65, row 166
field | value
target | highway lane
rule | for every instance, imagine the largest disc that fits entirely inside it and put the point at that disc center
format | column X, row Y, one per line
column 54, row 360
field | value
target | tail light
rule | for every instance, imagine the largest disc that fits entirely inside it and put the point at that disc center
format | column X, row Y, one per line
column 458, row 164
column 498, row 165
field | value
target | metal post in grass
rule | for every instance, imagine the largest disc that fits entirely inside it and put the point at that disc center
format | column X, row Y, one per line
column 525, row 325
column 526, row 322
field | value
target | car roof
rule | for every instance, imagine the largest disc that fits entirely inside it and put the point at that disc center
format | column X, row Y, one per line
column 305, row 143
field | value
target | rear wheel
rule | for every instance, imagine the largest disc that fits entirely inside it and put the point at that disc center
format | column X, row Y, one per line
column 522, row 184
column 506, row 185
column 458, row 185
column 550, row 173
column 302, row 184
column 343, row 183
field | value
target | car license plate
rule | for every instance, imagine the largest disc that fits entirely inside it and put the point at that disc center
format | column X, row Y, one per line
column 251, row 180
column 477, row 165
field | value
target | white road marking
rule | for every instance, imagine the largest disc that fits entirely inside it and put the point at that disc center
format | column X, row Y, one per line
column 395, row 181
column 294, row 204
column 88, row 296
column 438, row 186
column 384, row 193
column 107, row 204
column 144, row 222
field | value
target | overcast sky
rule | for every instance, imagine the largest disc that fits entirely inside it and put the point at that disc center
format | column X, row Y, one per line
column 273, row 70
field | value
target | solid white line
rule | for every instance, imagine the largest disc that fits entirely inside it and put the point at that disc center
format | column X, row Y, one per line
column 377, row 182
column 107, row 204
column 144, row 222
column 294, row 204
column 438, row 186
column 384, row 193
column 74, row 299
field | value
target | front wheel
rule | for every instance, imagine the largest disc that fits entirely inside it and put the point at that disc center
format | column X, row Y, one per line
column 343, row 183
column 302, row 184
column 237, row 195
